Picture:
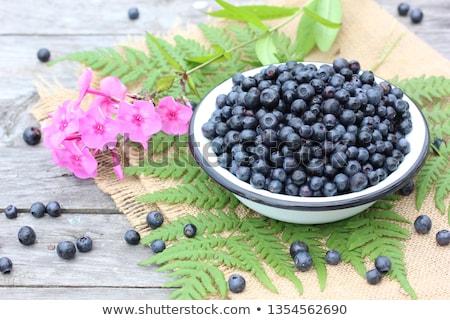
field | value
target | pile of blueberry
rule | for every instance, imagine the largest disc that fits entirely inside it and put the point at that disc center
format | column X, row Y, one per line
column 307, row 130
column 416, row 14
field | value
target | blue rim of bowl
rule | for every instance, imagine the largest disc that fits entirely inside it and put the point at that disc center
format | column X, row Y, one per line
column 227, row 180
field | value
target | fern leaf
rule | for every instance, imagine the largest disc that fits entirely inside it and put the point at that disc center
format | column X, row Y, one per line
column 425, row 88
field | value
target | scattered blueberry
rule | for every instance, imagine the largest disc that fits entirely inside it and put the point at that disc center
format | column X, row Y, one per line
column 26, row 235
column 333, row 257
column 84, row 244
column 132, row 237
column 236, row 283
column 38, row 209
column 5, row 265
column 158, row 246
column 43, row 54
column 383, row 264
column 154, row 219
column 416, row 15
column 408, row 188
column 403, row 9
column 32, row 136
column 53, row 209
column 133, row 13
column 422, row 224
column 190, row 230
column 373, row 276
column 296, row 247
column 66, row 250
column 303, row 261
column 437, row 142
column 11, row 212
column 443, row 237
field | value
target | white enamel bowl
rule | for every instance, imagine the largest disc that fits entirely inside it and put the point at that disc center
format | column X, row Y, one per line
column 296, row 209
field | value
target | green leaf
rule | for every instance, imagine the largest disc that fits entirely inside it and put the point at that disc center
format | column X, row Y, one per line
column 165, row 83
column 263, row 12
column 241, row 14
column 164, row 53
column 305, row 38
column 327, row 28
column 266, row 50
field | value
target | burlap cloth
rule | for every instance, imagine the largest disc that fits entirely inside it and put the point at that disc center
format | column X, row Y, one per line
column 381, row 43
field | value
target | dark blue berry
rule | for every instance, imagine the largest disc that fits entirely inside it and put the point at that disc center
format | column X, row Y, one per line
column 296, row 247
column 53, row 208
column 43, row 54
column 190, row 230
column 408, row 188
column 154, row 219
column 403, row 9
column 358, row 182
column 340, row 63
column 342, row 182
column 373, row 276
column 66, row 250
column 158, row 246
column 32, row 136
column 6, row 265
column 416, row 15
column 333, row 257
column 132, row 237
column 84, row 244
column 133, row 13
column 38, row 209
column 269, row 98
column 422, row 224
column 236, row 283
column 383, row 264
column 26, row 235
column 209, row 130
column 303, row 261
column 243, row 173
column 329, row 189
column 11, row 212
column 443, row 237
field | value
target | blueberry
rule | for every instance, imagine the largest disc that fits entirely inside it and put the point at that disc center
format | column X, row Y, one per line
column 32, row 136
column 154, row 219
column 38, row 209
column 158, row 246
column 269, row 98
column 373, row 276
column 303, row 261
column 296, row 247
column 190, row 230
column 84, row 244
column 26, row 235
column 333, row 257
column 5, row 265
column 422, row 224
column 53, row 209
column 342, row 182
column 133, row 13
column 383, row 264
column 437, row 142
column 11, row 212
column 329, row 189
column 408, row 188
column 416, row 15
column 236, row 283
column 443, row 237
column 243, row 173
column 43, row 54
column 275, row 186
column 403, row 9
column 66, row 250
column 132, row 237
column 358, row 182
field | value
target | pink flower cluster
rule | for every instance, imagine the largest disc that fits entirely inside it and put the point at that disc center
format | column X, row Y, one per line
column 75, row 135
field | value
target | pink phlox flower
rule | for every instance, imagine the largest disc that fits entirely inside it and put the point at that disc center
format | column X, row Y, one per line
column 175, row 116
column 139, row 120
column 64, row 123
column 118, row 170
column 76, row 157
column 84, row 82
column 98, row 130
column 111, row 92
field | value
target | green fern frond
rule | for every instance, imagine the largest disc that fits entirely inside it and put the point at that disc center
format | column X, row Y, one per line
column 424, row 88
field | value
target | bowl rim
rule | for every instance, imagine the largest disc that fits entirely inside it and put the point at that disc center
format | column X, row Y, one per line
column 406, row 170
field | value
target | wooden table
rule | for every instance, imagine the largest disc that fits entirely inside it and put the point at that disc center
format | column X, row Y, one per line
column 28, row 175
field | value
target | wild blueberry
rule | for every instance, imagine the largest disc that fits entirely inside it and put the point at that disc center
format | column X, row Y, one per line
column 422, row 224
column 6, row 265
column 154, row 219
column 190, row 230
column 408, row 188
column 333, row 257
column 443, row 237
column 32, row 136
column 373, row 276
column 383, row 264
column 38, row 209
column 236, row 283
column 437, row 142
column 26, row 235
column 158, row 246
column 11, row 211
column 66, row 250
column 416, row 15
column 303, row 261
column 296, row 247
column 53, row 208
column 132, row 237
column 84, row 244
column 358, row 182
column 133, row 13
column 275, row 186
column 269, row 98
column 403, row 9
column 329, row 189
column 43, row 54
